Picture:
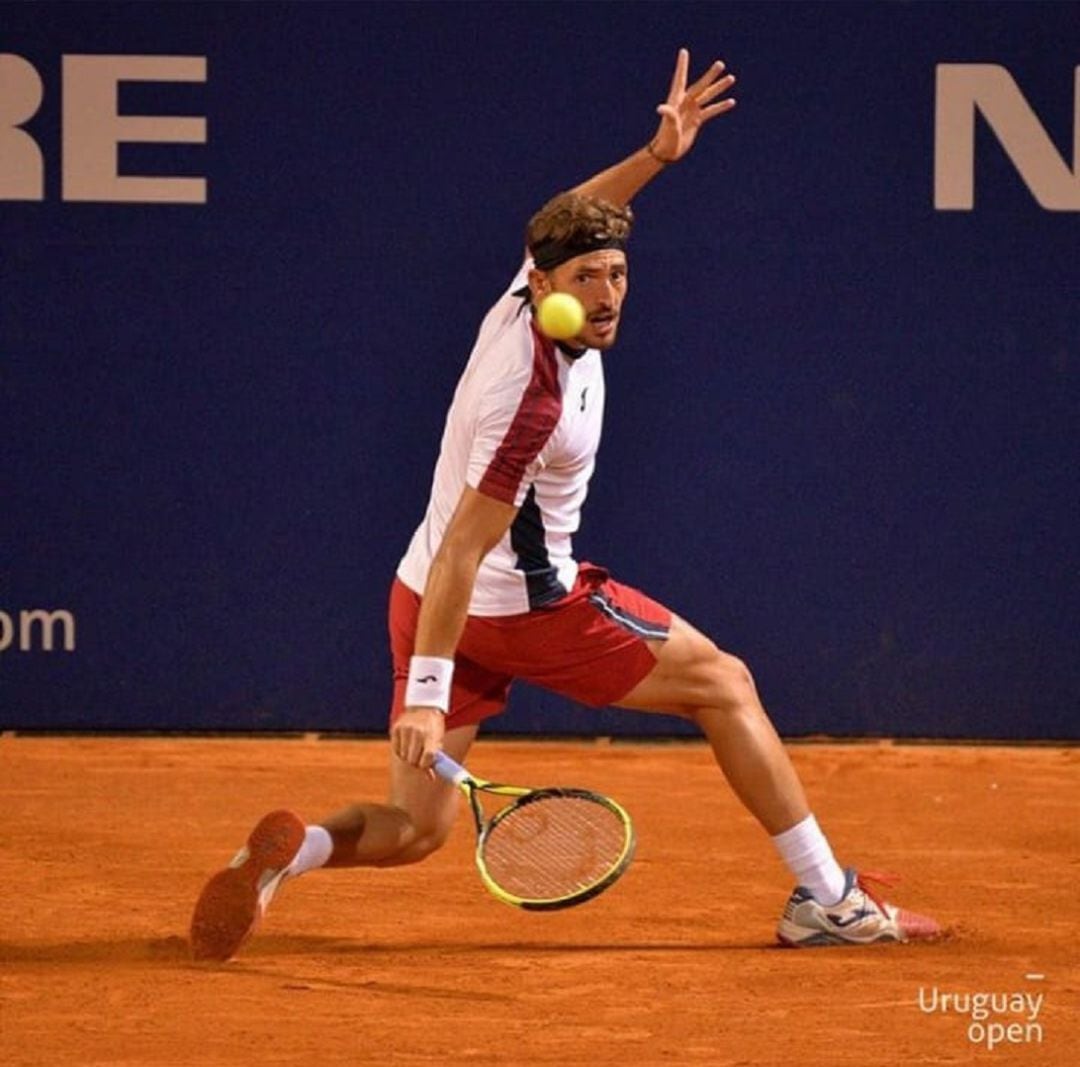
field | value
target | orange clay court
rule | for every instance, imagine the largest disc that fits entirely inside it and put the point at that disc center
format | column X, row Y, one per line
column 107, row 841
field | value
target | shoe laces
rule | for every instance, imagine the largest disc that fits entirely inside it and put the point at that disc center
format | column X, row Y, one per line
column 881, row 878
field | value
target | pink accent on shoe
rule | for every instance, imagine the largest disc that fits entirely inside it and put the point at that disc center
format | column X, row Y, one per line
column 917, row 927
column 913, row 926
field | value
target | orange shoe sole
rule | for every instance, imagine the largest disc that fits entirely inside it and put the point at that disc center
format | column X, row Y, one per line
column 229, row 909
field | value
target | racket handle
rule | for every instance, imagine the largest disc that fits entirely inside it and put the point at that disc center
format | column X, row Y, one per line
column 447, row 768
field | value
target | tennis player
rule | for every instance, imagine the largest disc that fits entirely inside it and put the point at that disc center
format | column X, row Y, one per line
column 489, row 590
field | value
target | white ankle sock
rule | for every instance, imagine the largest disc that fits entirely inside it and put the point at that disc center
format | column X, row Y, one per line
column 808, row 856
column 314, row 852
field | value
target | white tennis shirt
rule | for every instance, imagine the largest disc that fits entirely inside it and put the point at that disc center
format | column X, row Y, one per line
column 523, row 427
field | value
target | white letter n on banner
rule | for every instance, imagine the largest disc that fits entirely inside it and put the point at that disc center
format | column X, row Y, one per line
column 964, row 87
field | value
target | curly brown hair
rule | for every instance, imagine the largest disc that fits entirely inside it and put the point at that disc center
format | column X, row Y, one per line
column 577, row 221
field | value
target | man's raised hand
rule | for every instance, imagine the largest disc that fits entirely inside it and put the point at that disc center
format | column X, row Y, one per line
column 688, row 108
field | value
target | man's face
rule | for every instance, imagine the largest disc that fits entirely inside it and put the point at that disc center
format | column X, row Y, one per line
column 598, row 280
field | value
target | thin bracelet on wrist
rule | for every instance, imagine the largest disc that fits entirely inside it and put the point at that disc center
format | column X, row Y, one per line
column 659, row 159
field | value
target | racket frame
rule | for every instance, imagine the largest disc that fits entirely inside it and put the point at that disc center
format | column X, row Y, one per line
column 522, row 796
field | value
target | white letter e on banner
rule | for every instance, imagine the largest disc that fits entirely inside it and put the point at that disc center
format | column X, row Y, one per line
column 93, row 128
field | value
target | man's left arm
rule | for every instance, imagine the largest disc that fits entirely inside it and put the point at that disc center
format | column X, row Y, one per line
column 682, row 115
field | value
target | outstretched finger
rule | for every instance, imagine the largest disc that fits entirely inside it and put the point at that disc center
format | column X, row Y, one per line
column 678, row 79
column 713, row 110
column 714, row 90
column 710, row 75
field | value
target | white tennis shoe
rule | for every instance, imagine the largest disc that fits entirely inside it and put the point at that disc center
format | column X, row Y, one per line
column 859, row 918
column 234, row 901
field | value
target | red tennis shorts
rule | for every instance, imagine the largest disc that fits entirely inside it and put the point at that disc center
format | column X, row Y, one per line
column 589, row 646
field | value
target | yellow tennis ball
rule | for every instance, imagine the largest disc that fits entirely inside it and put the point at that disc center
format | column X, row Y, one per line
column 560, row 316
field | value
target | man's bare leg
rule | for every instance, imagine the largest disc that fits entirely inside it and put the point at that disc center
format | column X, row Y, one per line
column 414, row 821
column 693, row 678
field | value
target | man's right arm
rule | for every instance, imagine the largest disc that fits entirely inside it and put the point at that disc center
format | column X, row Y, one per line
column 476, row 527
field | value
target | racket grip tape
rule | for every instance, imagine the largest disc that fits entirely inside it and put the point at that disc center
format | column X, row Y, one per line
column 447, row 768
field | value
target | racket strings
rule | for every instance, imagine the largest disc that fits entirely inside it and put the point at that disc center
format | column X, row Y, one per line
column 554, row 847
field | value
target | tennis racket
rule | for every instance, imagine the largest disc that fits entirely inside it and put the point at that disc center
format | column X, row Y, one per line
column 547, row 848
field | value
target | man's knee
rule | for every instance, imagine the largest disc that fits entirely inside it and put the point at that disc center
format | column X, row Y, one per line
column 731, row 684
column 386, row 835
column 421, row 845
column 425, row 830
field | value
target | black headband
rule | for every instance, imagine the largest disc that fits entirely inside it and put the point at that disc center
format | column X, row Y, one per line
column 550, row 253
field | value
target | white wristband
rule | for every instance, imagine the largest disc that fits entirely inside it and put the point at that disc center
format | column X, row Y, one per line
column 429, row 683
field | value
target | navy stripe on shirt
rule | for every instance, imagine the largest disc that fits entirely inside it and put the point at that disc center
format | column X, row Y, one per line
column 528, row 541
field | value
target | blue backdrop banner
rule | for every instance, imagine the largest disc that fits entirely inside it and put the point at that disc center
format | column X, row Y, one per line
column 246, row 249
